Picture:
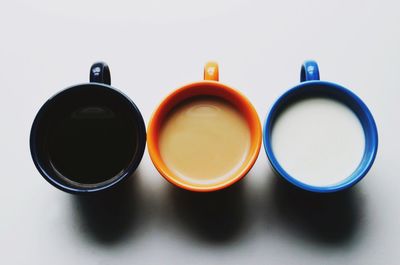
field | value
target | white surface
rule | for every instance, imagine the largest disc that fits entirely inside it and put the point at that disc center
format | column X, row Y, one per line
column 155, row 46
column 318, row 141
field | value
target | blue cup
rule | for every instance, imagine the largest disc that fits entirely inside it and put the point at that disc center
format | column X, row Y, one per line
column 310, row 87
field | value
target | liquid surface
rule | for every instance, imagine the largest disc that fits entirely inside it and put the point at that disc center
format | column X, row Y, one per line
column 204, row 140
column 318, row 141
column 91, row 145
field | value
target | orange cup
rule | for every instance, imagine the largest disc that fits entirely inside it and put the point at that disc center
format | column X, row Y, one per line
column 209, row 87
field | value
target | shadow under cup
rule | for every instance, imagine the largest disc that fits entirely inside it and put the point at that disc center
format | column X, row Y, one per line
column 87, row 138
column 204, row 89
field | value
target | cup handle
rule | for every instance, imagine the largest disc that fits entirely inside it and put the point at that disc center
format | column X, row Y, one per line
column 100, row 73
column 309, row 71
column 211, row 71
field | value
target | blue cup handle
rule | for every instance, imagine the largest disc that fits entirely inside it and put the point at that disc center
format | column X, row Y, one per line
column 309, row 71
column 100, row 73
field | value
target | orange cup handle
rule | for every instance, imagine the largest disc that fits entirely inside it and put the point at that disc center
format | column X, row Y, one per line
column 211, row 71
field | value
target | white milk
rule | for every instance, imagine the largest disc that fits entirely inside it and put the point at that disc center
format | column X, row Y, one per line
column 318, row 141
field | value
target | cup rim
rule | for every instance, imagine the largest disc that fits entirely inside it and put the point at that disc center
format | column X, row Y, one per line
column 353, row 102
column 101, row 186
column 167, row 104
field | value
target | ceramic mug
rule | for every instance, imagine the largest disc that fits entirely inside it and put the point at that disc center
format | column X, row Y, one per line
column 88, row 137
column 210, row 87
column 312, row 87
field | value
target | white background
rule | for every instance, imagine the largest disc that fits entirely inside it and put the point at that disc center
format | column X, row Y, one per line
column 155, row 46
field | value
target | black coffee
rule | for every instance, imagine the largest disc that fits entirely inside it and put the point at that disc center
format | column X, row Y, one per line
column 91, row 144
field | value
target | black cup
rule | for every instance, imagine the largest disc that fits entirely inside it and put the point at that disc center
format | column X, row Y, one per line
column 88, row 137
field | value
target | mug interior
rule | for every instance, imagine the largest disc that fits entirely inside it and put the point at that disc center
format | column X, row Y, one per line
column 87, row 137
column 322, row 89
column 194, row 91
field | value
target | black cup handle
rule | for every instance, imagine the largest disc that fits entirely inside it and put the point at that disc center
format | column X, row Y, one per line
column 100, row 73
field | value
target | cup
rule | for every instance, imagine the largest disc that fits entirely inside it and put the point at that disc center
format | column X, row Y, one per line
column 309, row 88
column 88, row 137
column 189, row 134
